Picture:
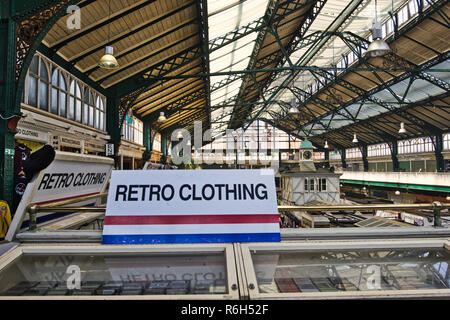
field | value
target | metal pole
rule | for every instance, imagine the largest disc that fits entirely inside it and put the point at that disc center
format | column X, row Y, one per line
column 437, row 207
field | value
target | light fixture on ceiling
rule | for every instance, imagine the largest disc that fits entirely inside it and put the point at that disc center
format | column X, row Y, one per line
column 355, row 139
column 108, row 61
column 326, row 144
column 294, row 109
column 378, row 47
column 402, row 128
column 162, row 118
column 179, row 135
column 397, row 193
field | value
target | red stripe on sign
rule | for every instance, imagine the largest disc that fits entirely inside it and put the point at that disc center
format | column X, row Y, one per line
column 67, row 198
column 191, row 219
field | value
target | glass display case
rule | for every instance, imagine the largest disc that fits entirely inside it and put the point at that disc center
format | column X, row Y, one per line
column 137, row 272
column 347, row 269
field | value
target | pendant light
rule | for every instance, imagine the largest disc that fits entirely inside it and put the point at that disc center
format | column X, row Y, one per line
column 326, row 144
column 179, row 135
column 378, row 47
column 108, row 61
column 402, row 128
column 355, row 139
column 162, row 118
column 293, row 109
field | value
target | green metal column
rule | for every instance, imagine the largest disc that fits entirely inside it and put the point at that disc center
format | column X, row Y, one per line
column 394, row 156
column 343, row 158
column 113, row 126
column 147, row 136
column 148, row 141
column 8, row 108
column 439, row 146
column 364, row 157
column 164, row 145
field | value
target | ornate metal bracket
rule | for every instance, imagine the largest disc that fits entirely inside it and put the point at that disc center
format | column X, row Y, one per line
column 125, row 104
column 29, row 29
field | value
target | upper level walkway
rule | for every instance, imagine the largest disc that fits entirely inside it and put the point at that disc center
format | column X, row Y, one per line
column 410, row 180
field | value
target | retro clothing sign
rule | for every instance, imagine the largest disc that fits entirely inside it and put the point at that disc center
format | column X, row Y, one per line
column 191, row 206
column 69, row 176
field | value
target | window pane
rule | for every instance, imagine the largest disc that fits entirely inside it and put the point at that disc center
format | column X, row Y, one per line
column 91, row 116
column 62, row 82
column 55, row 78
column 44, row 72
column 43, row 95
column 78, row 111
column 85, row 113
column 32, row 91
column 102, row 121
column 34, row 65
column 54, row 101
column 97, row 119
column 72, row 88
column 62, row 104
column 71, row 114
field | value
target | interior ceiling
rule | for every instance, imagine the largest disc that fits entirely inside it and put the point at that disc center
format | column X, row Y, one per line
column 188, row 58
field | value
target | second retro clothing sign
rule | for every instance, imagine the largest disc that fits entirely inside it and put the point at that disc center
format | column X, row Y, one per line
column 191, row 206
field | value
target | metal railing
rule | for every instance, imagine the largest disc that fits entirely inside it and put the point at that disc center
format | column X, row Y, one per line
column 60, row 206
column 436, row 206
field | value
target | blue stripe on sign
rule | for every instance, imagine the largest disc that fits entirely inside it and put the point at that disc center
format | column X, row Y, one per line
column 191, row 238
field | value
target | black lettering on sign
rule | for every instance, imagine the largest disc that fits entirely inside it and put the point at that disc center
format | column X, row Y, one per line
column 131, row 191
column 182, row 196
column 44, row 181
column 121, row 190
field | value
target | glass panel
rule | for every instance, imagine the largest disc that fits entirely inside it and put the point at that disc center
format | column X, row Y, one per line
column 102, row 121
column 85, row 113
column 44, row 72
column 78, row 91
column 55, row 78
column 144, row 274
column 97, row 118
column 32, row 91
column 72, row 88
column 352, row 270
column 34, row 65
column 71, row 114
column 91, row 116
column 43, row 95
column 78, row 111
column 62, row 104
column 54, row 101
column 62, row 82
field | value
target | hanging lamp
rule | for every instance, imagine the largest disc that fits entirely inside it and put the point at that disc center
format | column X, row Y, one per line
column 108, row 61
column 355, row 139
column 162, row 118
column 326, row 144
column 402, row 128
column 378, row 47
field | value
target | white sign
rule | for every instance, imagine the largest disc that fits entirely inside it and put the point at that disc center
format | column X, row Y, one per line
column 191, row 206
column 31, row 134
column 109, row 149
column 69, row 176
